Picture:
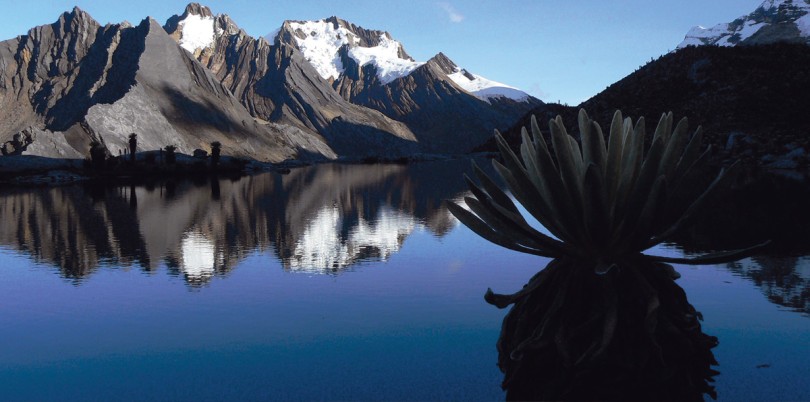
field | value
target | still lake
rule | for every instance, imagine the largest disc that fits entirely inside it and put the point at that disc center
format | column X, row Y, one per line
column 332, row 282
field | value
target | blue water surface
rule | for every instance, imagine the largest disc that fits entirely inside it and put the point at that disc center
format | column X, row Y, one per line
column 331, row 283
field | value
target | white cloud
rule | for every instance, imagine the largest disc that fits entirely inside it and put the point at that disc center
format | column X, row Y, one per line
column 454, row 15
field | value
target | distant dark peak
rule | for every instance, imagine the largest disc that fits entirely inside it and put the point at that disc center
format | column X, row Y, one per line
column 444, row 63
column 197, row 9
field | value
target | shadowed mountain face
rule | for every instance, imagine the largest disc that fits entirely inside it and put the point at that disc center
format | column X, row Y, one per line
column 321, row 219
column 442, row 114
column 750, row 100
column 75, row 81
column 752, row 93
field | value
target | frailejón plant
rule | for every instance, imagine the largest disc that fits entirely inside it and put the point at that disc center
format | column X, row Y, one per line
column 603, row 320
column 602, row 201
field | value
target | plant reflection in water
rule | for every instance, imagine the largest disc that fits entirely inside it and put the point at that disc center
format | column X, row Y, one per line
column 602, row 320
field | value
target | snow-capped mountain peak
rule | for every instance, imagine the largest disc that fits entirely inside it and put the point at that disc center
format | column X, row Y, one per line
column 386, row 58
column 198, row 28
column 773, row 21
column 320, row 42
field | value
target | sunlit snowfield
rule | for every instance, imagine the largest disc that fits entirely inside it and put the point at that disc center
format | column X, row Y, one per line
column 332, row 282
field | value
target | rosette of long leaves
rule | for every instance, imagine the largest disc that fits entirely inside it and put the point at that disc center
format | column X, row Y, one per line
column 603, row 200
column 628, row 332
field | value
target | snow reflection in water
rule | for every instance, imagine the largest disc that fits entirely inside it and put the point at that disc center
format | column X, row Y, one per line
column 323, row 248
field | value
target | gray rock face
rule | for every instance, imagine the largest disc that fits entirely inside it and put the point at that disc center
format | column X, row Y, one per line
column 75, row 81
column 443, row 115
column 773, row 21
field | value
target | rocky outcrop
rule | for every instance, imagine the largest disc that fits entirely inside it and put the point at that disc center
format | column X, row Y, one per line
column 45, row 85
column 440, row 112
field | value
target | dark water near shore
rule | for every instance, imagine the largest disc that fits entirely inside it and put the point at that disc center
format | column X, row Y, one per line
column 331, row 282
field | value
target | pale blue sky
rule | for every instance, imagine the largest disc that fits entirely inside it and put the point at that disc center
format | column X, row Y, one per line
column 553, row 49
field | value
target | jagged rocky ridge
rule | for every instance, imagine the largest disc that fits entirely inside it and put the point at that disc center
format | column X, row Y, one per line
column 200, row 78
column 328, row 74
column 75, row 81
column 773, row 21
column 275, row 83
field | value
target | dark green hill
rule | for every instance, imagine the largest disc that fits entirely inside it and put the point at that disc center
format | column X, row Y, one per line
column 757, row 95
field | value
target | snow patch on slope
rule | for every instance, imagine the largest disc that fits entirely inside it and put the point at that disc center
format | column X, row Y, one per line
column 197, row 32
column 320, row 46
column 385, row 57
column 322, row 41
column 721, row 34
column 483, row 88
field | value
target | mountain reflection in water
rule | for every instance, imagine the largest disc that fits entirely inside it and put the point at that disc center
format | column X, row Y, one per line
column 783, row 280
column 318, row 219
column 321, row 219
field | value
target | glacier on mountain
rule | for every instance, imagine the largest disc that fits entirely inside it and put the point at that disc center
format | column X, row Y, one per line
column 320, row 45
column 772, row 21
column 721, row 34
column 385, row 57
column 320, row 42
